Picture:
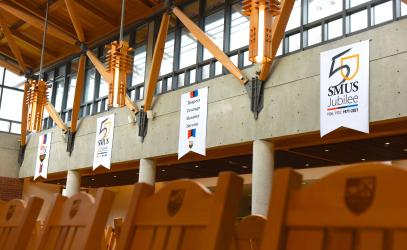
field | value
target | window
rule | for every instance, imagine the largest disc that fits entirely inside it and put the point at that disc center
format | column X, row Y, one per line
column 318, row 9
column 59, row 93
column 188, row 49
column 214, row 26
column 314, row 36
column 139, row 65
column 403, row 8
column 294, row 42
column 89, row 84
column 72, row 84
column 334, row 29
column 13, row 80
column 11, row 104
column 382, row 12
column 168, row 58
column 358, row 21
column 295, row 18
column 240, row 28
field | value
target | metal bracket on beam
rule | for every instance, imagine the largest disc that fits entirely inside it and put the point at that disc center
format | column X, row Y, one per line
column 142, row 122
column 71, row 142
column 21, row 154
column 255, row 90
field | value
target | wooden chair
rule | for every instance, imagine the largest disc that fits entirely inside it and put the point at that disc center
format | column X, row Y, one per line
column 248, row 233
column 17, row 221
column 362, row 207
column 76, row 223
column 182, row 215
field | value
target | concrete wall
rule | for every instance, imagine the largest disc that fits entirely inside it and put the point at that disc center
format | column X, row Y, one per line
column 291, row 106
column 9, row 148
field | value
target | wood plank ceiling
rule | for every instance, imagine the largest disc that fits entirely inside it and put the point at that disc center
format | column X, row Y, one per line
column 22, row 21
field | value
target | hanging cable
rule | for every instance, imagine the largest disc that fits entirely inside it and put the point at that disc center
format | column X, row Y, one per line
column 122, row 20
column 43, row 41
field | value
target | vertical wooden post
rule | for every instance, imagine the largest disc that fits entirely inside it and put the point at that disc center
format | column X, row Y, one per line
column 24, row 114
column 80, row 79
column 156, row 63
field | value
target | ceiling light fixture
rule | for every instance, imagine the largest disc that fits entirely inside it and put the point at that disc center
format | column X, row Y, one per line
column 163, row 170
column 387, row 143
column 196, row 166
column 114, row 176
column 326, row 150
column 363, row 159
column 244, row 166
column 307, row 165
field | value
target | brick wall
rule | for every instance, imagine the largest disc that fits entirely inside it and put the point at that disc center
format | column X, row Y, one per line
column 10, row 188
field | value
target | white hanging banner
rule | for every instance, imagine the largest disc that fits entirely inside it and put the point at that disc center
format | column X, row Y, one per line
column 41, row 163
column 344, row 88
column 103, row 142
column 192, row 131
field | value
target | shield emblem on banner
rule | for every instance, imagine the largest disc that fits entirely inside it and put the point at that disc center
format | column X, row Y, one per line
column 75, row 208
column 10, row 212
column 360, row 193
column 175, row 201
column 353, row 62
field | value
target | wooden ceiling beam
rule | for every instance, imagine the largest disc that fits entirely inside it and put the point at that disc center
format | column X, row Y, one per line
column 10, row 66
column 73, row 14
column 12, row 44
column 36, row 46
column 56, row 5
column 37, row 22
column 92, row 9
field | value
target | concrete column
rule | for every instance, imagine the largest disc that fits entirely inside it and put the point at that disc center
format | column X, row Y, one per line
column 73, row 183
column 262, row 174
column 147, row 171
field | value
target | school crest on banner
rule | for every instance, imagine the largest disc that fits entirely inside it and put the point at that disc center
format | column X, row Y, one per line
column 42, row 159
column 344, row 89
column 193, row 119
column 103, row 141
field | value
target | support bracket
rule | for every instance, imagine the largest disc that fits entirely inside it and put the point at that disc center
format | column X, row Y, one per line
column 255, row 90
column 71, row 142
column 21, row 154
column 142, row 122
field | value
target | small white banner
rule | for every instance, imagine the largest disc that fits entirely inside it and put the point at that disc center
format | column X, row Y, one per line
column 192, row 131
column 44, row 148
column 103, row 141
column 345, row 88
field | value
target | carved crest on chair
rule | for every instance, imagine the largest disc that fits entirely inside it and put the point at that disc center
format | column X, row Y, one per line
column 360, row 193
column 74, row 208
column 10, row 212
column 175, row 201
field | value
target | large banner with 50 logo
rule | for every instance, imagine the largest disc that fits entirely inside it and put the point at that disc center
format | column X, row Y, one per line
column 345, row 88
column 103, row 141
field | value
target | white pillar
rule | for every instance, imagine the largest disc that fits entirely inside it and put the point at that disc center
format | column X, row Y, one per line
column 73, row 183
column 147, row 171
column 262, row 174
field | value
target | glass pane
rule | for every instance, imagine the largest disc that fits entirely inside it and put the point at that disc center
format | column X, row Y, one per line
column 382, row 12
column 214, row 29
column 192, row 76
column 358, row 21
column 89, row 84
column 295, row 18
column 13, row 80
column 234, row 60
column 357, row 2
column 403, row 8
column 188, row 49
column 168, row 59
column 59, row 93
column 240, row 27
column 141, row 93
column 294, row 42
column 318, row 9
column 335, row 29
column 280, row 49
column 169, row 84
column 314, row 36
column 71, row 92
column 218, row 68
column 139, row 65
column 181, row 80
column 4, row 126
column 205, row 72
column 103, row 88
column 16, row 128
column 158, row 88
column 246, row 61
column 11, row 105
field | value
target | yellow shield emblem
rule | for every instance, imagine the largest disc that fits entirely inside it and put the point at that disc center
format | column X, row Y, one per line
column 353, row 63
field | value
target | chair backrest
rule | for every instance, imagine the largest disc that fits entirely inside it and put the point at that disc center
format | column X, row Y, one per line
column 76, row 223
column 17, row 221
column 361, row 207
column 248, row 233
column 182, row 215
